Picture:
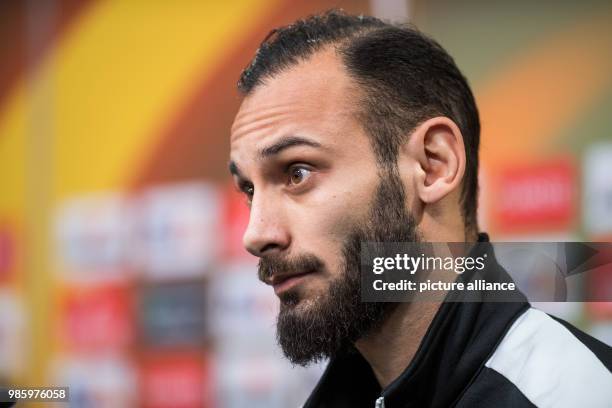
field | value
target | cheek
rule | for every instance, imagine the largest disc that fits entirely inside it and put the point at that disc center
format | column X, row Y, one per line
column 345, row 216
column 329, row 224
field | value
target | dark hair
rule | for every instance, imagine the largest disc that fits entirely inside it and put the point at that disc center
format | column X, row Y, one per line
column 405, row 78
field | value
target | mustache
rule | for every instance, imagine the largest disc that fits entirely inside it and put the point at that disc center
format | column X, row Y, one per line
column 275, row 265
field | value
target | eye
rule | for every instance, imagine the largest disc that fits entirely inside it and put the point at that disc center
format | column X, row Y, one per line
column 298, row 174
column 248, row 189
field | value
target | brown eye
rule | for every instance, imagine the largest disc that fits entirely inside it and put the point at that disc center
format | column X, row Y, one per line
column 248, row 190
column 298, row 174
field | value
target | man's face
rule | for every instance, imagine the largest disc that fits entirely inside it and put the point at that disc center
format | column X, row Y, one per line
column 297, row 143
column 312, row 182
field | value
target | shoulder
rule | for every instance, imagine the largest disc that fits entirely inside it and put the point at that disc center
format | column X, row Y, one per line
column 545, row 361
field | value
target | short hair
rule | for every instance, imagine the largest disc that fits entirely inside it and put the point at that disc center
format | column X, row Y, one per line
column 404, row 76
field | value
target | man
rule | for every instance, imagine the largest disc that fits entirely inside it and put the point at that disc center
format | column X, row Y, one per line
column 355, row 130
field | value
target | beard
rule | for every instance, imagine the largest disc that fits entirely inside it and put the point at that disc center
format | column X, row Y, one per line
column 333, row 322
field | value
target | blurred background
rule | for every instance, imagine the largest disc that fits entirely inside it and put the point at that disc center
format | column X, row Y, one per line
column 122, row 273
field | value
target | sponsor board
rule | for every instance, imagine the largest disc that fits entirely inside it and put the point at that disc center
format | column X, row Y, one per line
column 92, row 238
column 239, row 306
column 96, row 382
column 178, row 380
column 172, row 314
column 263, row 380
column 597, row 194
column 95, row 318
column 534, row 197
column 177, row 231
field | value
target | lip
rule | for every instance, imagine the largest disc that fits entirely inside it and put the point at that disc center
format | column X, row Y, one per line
column 283, row 283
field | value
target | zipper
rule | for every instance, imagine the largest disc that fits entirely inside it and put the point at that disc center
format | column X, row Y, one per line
column 380, row 402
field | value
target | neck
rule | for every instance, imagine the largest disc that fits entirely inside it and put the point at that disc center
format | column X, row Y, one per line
column 392, row 346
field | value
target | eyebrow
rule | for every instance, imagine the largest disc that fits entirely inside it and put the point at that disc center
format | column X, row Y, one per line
column 234, row 170
column 276, row 148
column 285, row 143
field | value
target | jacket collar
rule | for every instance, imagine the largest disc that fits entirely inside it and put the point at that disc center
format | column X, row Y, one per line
column 456, row 345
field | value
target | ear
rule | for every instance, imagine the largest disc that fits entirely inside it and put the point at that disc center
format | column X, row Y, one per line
column 438, row 153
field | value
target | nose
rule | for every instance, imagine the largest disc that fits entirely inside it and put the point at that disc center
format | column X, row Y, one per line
column 266, row 232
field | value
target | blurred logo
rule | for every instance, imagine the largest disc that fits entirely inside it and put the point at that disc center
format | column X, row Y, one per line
column 173, row 314
column 96, row 318
column 535, row 197
column 239, row 305
column 92, row 233
column 96, row 381
column 177, row 233
column 179, row 380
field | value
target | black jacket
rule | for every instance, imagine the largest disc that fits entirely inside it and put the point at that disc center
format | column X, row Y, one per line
column 482, row 354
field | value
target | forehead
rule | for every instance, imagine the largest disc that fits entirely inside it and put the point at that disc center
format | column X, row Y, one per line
column 313, row 96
